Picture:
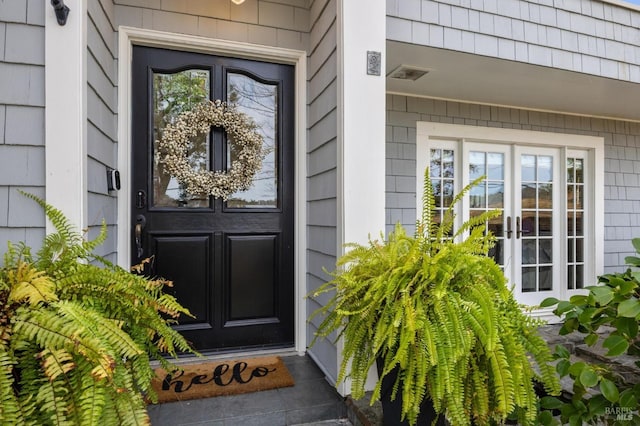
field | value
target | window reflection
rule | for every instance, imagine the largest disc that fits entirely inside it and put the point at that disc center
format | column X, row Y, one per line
column 174, row 94
column 442, row 171
column 260, row 102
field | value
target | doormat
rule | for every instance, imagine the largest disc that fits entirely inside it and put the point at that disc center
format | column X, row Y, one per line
column 224, row 377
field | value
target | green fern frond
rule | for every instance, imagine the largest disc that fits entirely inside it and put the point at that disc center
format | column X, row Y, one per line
column 93, row 398
column 56, row 362
column 61, row 224
column 53, row 404
column 106, row 330
column 89, row 245
column 428, row 208
column 10, row 409
column 30, row 286
column 502, row 380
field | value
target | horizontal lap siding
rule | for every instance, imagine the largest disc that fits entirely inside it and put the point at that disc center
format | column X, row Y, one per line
column 22, row 164
column 101, row 121
column 588, row 36
column 622, row 160
column 321, row 167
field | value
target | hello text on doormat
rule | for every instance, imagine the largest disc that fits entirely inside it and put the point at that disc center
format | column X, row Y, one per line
column 224, row 377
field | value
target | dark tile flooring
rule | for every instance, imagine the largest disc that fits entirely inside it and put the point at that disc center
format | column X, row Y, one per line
column 312, row 400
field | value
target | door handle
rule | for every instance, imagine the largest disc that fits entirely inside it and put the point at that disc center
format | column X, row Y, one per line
column 509, row 231
column 141, row 221
column 519, row 230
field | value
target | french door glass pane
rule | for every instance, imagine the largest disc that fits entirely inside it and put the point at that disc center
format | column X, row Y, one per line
column 545, row 281
column 495, row 166
column 536, row 195
column 441, row 170
column 489, row 194
column 575, row 214
column 260, row 102
column 528, row 279
column 477, row 165
column 173, row 94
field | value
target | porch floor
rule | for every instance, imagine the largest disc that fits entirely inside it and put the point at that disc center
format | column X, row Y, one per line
column 311, row 401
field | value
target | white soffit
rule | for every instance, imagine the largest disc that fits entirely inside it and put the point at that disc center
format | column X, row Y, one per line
column 485, row 80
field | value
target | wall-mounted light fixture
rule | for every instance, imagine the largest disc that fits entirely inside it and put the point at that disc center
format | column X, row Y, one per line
column 62, row 11
column 237, row 1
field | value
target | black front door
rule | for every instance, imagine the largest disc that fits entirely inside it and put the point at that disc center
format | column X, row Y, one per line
column 232, row 262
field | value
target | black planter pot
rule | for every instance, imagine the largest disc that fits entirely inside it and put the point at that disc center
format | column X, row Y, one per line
column 392, row 410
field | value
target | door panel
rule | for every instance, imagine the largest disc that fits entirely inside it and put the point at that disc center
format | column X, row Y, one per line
column 521, row 182
column 252, row 277
column 231, row 262
column 494, row 192
column 194, row 252
column 538, row 231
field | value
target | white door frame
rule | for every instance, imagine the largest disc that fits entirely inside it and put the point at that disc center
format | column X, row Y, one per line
column 128, row 37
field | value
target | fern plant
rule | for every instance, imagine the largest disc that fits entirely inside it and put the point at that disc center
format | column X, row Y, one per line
column 436, row 307
column 77, row 333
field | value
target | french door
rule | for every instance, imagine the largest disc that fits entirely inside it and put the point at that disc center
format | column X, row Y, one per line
column 541, row 193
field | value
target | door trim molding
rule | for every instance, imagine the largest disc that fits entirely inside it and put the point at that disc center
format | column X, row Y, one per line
column 65, row 110
column 127, row 38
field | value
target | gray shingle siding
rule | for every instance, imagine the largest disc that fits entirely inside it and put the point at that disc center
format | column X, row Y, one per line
column 21, row 121
column 280, row 23
column 588, row 36
column 102, row 111
column 321, row 164
column 622, row 159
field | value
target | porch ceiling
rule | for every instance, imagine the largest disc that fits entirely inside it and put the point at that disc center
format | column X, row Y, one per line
column 473, row 78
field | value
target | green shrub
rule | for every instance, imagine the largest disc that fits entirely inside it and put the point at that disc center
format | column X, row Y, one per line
column 600, row 394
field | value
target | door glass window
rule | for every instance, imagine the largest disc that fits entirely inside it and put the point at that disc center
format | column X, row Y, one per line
column 442, row 179
column 537, row 224
column 259, row 101
column 489, row 195
column 173, row 94
column 575, row 213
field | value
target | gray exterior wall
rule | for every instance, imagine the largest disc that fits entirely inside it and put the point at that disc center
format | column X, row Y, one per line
column 622, row 160
column 102, row 108
column 22, row 155
column 281, row 23
column 322, row 165
column 588, row 36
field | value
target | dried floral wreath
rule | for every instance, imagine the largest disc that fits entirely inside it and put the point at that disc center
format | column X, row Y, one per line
column 175, row 141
